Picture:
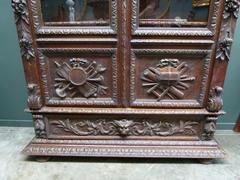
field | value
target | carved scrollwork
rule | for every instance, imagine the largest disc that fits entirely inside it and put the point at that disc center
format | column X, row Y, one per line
column 209, row 128
column 34, row 98
column 39, row 126
column 79, row 77
column 215, row 102
column 167, row 79
column 125, row 127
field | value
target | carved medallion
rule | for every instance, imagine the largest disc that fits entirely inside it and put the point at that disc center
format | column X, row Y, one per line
column 79, row 77
column 167, row 80
column 125, row 127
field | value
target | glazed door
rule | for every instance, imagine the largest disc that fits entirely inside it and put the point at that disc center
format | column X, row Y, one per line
column 168, row 52
column 79, row 47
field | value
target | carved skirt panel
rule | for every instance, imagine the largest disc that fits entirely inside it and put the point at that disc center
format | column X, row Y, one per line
column 169, row 77
column 115, row 127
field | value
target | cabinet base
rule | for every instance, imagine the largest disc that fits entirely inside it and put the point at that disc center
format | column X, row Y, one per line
column 125, row 148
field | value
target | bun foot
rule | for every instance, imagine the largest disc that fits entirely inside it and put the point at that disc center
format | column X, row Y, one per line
column 206, row 161
column 42, row 158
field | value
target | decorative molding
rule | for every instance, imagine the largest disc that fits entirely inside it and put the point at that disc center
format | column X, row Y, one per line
column 125, row 127
column 205, row 54
column 215, row 16
column 39, row 126
column 230, row 15
column 176, row 151
column 167, row 79
column 209, row 128
column 79, row 77
column 215, row 102
column 45, row 53
column 34, row 98
column 40, row 28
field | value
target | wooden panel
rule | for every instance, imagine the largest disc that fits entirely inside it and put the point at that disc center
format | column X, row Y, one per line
column 169, row 78
column 74, row 76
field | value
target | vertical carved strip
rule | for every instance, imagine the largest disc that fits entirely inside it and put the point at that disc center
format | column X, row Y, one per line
column 21, row 13
column 230, row 15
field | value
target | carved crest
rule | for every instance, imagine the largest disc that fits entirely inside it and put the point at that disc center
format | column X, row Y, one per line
column 80, row 77
column 125, row 127
column 167, row 80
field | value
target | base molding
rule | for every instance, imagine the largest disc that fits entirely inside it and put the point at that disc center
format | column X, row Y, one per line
column 125, row 148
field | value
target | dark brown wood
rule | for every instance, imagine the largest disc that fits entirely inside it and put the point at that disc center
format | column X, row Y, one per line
column 125, row 82
column 237, row 125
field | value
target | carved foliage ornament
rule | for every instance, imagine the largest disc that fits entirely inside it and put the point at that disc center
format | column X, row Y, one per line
column 34, row 98
column 215, row 102
column 125, row 127
column 224, row 48
column 20, row 10
column 167, row 79
column 209, row 128
column 231, row 8
column 26, row 47
column 80, row 77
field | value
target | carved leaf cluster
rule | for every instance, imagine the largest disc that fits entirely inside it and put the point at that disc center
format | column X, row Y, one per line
column 126, row 127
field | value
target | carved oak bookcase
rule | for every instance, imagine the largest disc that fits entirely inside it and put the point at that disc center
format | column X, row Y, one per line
column 125, row 78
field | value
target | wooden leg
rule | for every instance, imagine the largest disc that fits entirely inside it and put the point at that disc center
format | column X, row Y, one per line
column 42, row 158
column 206, row 161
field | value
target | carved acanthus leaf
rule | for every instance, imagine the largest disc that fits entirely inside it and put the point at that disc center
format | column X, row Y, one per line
column 27, row 50
column 215, row 102
column 125, row 127
column 34, row 98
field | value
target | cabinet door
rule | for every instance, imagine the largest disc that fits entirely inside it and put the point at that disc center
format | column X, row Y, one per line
column 78, row 51
column 171, row 50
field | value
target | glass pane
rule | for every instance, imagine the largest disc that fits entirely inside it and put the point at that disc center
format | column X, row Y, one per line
column 75, row 10
column 174, row 12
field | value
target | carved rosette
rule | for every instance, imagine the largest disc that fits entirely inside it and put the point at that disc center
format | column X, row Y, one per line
column 79, row 77
column 215, row 102
column 168, row 79
column 39, row 126
column 209, row 128
column 125, row 127
column 34, row 98
column 230, row 15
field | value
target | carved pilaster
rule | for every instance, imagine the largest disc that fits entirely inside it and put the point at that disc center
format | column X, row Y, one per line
column 230, row 15
column 215, row 102
column 23, row 29
column 209, row 128
column 39, row 126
